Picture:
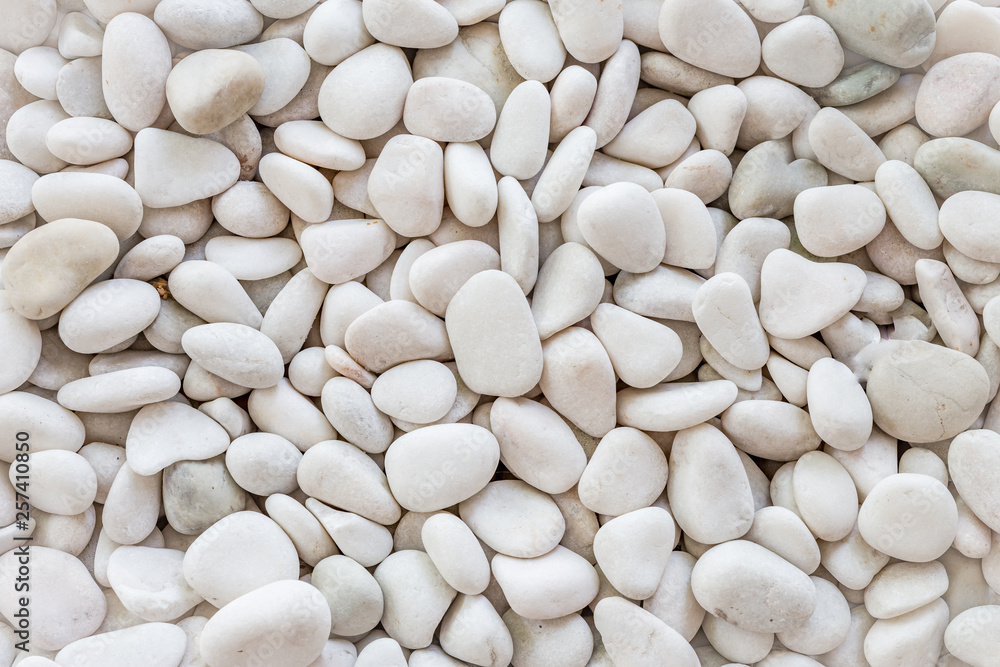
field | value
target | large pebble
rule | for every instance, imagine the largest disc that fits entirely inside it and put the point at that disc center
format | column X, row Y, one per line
column 394, row 332
column 235, row 352
column 634, row 636
column 456, row 553
column 556, row 584
column 409, row 198
column 536, row 444
column 420, row 391
column 632, row 550
column 971, row 635
column 716, row 35
column 98, row 197
column 907, row 386
column 135, row 64
column 909, row 516
column 591, row 30
column 908, row 639
column 804, row 51
column 963, row 218
column 627, row 471
column 772, row 429
column 674, row 406
column 341, row 475
column 440, row 465
column 164, row 433
column 745, row 584
column 841, row 146
column 263, row 463
column 364, row 95
column 107, row 314
column 838, row 406
column 903, row 587
column 211, row 89
column 51, row 265
column 531, row 40
column 579, row 381
column 698, row 511
column 286, row 67
column 421, row 24
column 825, row 496
column 799, row 297
column 24, row 341
column 291, row 611
column 723, row 309
column 971, row 466
column 120, row 391
column 958, row 94
column 209, row 25
column 353, row 595
column 153, row 644
column 150, row 582
column 172, row 169
column 266, row 555
column 900, row 34
column 416, row 597
column 955, row 164
column 513, row 518
column 66, row 602
column 212, row 293
column 622, row 223
column 450, row 110
column 493, row 335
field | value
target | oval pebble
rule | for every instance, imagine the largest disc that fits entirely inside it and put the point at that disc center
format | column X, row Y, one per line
column 754, row 589
column 51, row 265
column 886, row 517
column 241, row 627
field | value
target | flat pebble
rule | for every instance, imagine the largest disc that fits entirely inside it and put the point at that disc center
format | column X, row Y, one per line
column 364, row 95
column 743, row 583
column 916, row 369
column 633, row 635
column 213, row 88
column 731, row 52
column 546, row 587
column 235, row 352
column 797, row 295
column 167, row 432
column 341, row 475
column 267, row 556
column 241, row 627
column 51, row 265
column 133, row 43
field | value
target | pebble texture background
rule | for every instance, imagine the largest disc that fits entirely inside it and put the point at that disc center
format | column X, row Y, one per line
column 428, row 333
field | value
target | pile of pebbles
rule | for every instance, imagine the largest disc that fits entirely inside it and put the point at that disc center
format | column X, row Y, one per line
column 416, row 333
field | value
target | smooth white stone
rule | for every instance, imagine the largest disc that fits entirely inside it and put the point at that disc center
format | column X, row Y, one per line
column 164, row 433
column 212, row 293
column 449, row 110
column 107, row 314
column 579, row 381
column 752, row 588
column 172, row 169
column 697, row 452
column 825, row 234
column 626, row 472
column 521, row 137
column 632, row 635
column 546, row 587
column 358, row 538
column 267, row 555
column 243, row 626
column 353, row 595
column 717, row 36
column 135, row 64
column 235, row 352
column 408, row 197
column 297, row 185
column 513, row 518
column 394, row 332
column 340, row 474
column 456, row 553
column 263, row 463
column 120, row 391
column 153, row 644
column 674, row 406
column 150, row 583
column 416, row 597
column 531, row 40
column 536, row 444
column 632, row 550
column 882, row 518
column 838, row 407
column 591, row 30
column 363, row 96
